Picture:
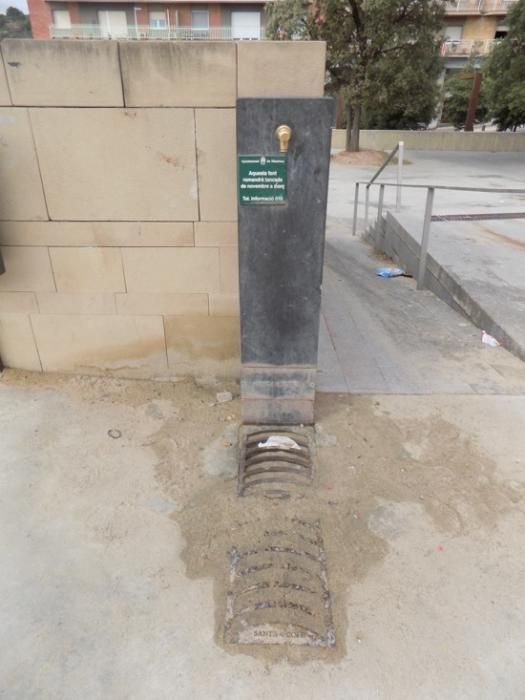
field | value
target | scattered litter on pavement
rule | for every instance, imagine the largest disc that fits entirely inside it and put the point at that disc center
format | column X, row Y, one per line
column 489, row 340
column 224, row 396
column 281, row 442
column 115, row 434
column 390, row 272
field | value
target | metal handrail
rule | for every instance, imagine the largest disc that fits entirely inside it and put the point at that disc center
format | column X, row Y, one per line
column 425, row 234
column 467, row 47
column 399, row 147
column 387, row 161
column 145, row 31
column 504, row 190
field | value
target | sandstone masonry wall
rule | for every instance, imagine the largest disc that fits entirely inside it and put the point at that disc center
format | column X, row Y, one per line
column 118, row 199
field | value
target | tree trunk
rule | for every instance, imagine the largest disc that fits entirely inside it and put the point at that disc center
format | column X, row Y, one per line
column 352, row 128
column 339, row 109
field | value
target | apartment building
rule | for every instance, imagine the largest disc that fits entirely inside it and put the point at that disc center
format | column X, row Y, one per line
column 472, row 27
column 120, row 19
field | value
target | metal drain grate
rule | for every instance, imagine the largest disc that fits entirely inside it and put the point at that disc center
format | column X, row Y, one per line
column 270, row 466
column 279, row 588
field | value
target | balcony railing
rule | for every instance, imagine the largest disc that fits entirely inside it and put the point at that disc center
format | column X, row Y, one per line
column 95, row 31
column 479, row 7
column 467, row 48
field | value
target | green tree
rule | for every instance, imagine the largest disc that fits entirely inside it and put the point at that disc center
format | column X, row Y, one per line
column 367, row 41
column 457, row 95
column 14, row 24
column 506, row 72
column 406, row 93
column 13, row 13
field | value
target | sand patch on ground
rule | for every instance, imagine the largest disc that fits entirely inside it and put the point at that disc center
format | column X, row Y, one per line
column 360, row 158
column 375, row 462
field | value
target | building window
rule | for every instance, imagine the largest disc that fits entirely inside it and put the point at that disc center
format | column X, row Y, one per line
column 113, row 24
column 61, row 19
column 453, row 33
column 501, row 31
column 246, row 25
column 200, row 19
column 157, row 20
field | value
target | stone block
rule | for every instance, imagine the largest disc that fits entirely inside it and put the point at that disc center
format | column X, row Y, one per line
column 215, row 233
column 217, row 170
column 63, row 73
column 126, row 345
column 203, row 345
column 160, row 270
column 5, row 97
column 96, row 233
column 283, row 395
column 447, row 141
column 87, row 269
column 164, row 304
column 18, row 303
column 277, row 411
column 224, row 305
column 281, row 68
column 229, row 266
column 117, row 164
column 83, row 303
column 179, row 74
column 17, row 344
column 26, row 270
column 21, row 194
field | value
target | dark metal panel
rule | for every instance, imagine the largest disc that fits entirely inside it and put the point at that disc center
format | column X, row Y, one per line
column 281, row 246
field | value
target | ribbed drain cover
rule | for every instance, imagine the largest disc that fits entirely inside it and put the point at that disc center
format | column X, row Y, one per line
column 279, row 588
column 275, row 462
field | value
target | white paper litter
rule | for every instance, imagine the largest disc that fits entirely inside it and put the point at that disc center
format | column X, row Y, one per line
column 489, row 340
column 281, row 442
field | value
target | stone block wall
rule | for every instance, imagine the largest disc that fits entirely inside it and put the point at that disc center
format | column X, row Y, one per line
column 118, row 211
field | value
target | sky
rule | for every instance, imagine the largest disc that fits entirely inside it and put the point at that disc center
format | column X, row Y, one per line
column 21, row 4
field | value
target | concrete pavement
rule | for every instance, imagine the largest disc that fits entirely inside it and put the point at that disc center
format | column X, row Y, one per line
column 379, row 335
column 382, row 336
column 107, row 546
column 475, row 266
column 438, row 168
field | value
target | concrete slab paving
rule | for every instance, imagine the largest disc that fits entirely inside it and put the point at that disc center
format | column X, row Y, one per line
column 409, row 342
column 110, row 564
column 480, row 264
column 382, row 336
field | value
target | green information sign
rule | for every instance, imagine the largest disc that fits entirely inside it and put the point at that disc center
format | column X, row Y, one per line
column 263, row 179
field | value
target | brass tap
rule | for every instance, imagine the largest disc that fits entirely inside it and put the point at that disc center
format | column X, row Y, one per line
column 284, row 134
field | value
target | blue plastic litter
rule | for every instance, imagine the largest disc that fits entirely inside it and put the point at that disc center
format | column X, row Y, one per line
column 390, row 272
